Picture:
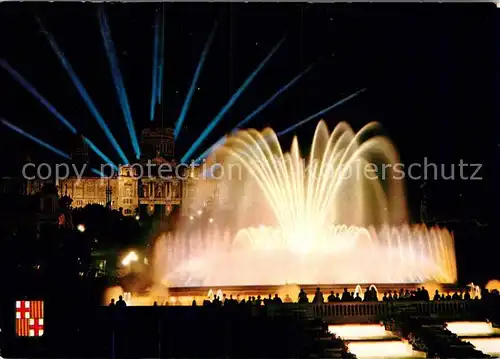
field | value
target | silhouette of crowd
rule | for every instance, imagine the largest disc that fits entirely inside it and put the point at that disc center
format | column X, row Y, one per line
column 420, row 294
column 370, row 294
column 120, row 303
column 251, row 300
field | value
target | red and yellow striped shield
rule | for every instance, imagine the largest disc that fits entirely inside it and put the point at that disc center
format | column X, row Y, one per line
column 29, row 318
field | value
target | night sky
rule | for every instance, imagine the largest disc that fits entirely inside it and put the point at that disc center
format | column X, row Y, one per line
column 430, row 71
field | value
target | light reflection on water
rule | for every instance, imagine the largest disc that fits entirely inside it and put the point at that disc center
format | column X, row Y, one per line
column 384, row 349
column 360, row 331
column 373, row 341
column 477, row 334
column 471, row 329
column 490, row 346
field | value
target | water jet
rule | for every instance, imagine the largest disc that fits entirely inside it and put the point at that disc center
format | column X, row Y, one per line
column 337, row 217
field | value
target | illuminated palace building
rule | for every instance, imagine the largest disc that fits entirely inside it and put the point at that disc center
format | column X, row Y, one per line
column 125, row 191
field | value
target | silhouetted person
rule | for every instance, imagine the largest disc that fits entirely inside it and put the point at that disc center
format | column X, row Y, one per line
column 303, row 297
column 337, row 297
column 425, row 294
column 277, row 299
column 467, row 294
column 155, row 304
column 357, row 298
column 385, row 298
column 121, row 303
column 318, row 297
column 268, row 300
column 112, row 303
column 258, row 302
column 448, row 296
column 436, row 296
column 367, row 295
column 418, row 294
column 346, row 296
column 193, row 303
column 455, row 296
column 395, row 295
column 331, row 297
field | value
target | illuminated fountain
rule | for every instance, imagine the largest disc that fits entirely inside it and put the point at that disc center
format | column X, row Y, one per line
column 337, row 217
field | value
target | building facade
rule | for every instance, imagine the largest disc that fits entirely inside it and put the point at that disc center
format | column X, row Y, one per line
column 132, row 193
column 128, row 190
column 118, row 192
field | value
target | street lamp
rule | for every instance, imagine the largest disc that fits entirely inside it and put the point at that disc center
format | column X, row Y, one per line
column 129, row 258
column 81, row 228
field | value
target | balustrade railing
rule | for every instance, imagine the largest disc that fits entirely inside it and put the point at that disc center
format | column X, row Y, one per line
column 350, row 309
column 374, row 310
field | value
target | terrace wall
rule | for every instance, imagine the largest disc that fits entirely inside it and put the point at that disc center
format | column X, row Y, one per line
column 195, row 332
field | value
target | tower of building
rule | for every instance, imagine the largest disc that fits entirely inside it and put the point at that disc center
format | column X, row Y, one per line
column 80, row 154
column 157, row 140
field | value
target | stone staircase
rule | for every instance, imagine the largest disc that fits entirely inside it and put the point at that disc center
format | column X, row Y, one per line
column 321, row 343
column 430, row 335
